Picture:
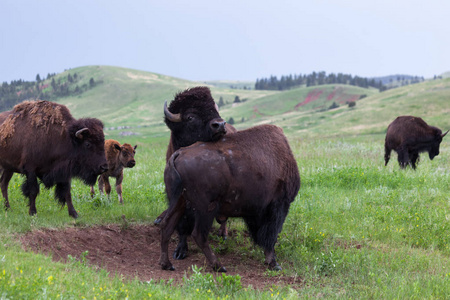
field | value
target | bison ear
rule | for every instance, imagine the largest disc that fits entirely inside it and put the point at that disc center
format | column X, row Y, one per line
column 79, row 134
column 117, row 147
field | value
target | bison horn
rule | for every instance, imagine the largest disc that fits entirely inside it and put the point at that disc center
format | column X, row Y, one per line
column 176, row 118
column 79, row 133
column 217, row 107
column 445, row 133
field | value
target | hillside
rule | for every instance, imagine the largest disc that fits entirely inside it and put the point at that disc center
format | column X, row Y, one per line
column 131, row 100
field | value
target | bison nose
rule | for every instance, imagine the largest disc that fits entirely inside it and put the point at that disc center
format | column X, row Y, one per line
column 131, row 163
column 218, row 126
column 103, row 168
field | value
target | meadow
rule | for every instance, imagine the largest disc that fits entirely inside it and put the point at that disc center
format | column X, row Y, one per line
column 357, row 229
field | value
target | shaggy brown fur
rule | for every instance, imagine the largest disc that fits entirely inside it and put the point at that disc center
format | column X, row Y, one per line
column 41, row 140
column 41, row 115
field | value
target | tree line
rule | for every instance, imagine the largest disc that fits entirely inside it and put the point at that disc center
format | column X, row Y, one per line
column 47, row 89
column 315, row 78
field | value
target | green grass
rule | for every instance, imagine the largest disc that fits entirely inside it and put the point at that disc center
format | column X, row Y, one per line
column 357, row 229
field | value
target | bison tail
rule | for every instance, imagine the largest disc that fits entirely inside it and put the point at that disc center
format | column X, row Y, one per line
column 173, row 181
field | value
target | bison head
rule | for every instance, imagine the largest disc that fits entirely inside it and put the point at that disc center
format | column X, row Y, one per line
column 193, row 116
column 434, row 146
column 126, row 156
column 88, row 156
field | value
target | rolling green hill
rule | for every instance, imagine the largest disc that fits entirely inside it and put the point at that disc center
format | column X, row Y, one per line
column 134, row 99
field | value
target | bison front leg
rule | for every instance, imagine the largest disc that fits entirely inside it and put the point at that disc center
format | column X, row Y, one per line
column 62, row 193
column 414, row 159
column 119, row 180
column 31, row 189
column 6, row 177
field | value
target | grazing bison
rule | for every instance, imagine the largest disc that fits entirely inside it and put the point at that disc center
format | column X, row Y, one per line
column 250, row 174
column 408, row 136
column 42, row 140
column 118, row 157
column 191, row 117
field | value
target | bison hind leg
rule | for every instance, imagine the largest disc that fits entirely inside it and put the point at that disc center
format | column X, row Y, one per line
column 5, row 179
column 203, row 224
column 403, row 158
column 184, row 228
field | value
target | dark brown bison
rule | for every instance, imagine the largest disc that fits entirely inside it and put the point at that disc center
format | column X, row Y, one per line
column 42, row 140
column 118, row 157
column 250, row 174
column 191, row 117
column 409, row 136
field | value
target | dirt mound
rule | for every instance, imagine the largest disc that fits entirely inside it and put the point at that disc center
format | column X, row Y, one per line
column 133, row 251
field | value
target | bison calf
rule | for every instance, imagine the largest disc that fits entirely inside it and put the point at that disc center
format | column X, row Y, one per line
column 250, row 174
column 409, row 136
column 118, row 157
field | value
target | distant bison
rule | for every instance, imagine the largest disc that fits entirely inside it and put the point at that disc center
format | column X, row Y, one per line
column 42, row 140
column 192, row 116
column 409, row 136
column 118, row 157
column 250, row 174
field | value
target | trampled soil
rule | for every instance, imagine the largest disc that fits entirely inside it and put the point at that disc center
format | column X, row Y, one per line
column 133, row 252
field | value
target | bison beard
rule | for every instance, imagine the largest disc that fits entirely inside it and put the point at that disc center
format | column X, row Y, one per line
column 409, row 136
column 42, row 140
column 250, row 174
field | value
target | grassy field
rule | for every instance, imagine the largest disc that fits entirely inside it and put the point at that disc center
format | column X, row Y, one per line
column 357, row 229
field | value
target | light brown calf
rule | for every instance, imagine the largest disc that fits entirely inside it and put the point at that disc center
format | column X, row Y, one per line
column 118, row 157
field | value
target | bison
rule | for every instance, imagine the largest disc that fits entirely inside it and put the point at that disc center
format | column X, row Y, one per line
column 118, row 157
column 191, row 117
column 409, row 136
column 42, row 140
column 250, row 174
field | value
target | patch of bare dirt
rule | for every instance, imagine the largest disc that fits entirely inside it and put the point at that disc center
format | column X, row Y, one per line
column 133, row 251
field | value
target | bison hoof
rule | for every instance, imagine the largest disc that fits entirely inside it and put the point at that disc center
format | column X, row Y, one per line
column 275, row 267
column 73, row 214
column 180, row 253
column 157, row 221
column 220, row 269
column 168, row 267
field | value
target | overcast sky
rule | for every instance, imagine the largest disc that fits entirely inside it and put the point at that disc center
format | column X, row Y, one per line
column 226, row 39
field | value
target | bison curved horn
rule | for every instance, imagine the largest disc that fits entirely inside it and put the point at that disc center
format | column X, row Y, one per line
column 445, row 133
column 217, row 107
column 176, row 118
column 79, row 133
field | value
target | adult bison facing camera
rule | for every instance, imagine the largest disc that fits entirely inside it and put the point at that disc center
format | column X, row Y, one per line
column 409, row 136
column 42, row 140
column 250, row 174
column 192, row 116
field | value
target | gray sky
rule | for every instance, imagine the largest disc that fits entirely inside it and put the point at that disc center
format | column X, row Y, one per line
column 226, row 39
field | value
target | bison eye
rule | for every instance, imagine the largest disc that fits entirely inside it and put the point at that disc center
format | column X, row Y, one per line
column 190, row 118
column 88, row 145
column 125, row 154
